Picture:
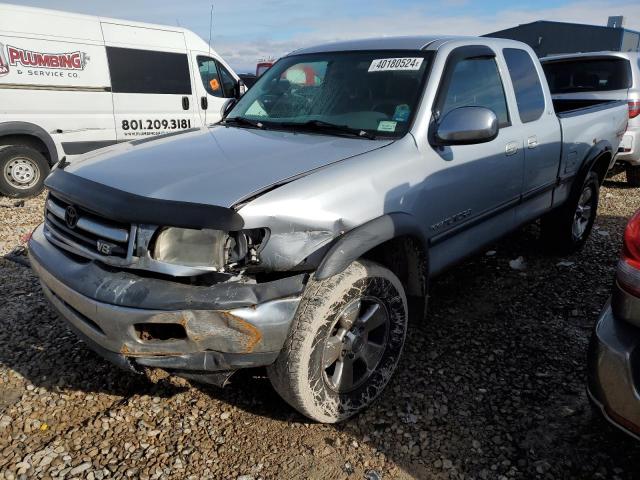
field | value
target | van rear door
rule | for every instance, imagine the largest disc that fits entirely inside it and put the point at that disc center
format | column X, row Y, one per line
column 150, row 81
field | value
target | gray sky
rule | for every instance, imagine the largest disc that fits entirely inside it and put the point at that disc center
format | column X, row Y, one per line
column 246, row 30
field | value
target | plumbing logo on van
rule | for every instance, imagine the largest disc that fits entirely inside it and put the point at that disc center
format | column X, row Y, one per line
column 4, row 65
column 63, row 61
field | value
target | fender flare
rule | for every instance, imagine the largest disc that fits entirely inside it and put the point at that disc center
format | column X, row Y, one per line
column 25, row 128
column 353, row 244
column 592, row 156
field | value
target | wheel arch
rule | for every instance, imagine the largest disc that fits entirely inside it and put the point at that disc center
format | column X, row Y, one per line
column 598, row 159
column 394, row 240
column 30, row 135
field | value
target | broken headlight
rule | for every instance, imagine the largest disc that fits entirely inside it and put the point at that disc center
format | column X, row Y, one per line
column 211, row 249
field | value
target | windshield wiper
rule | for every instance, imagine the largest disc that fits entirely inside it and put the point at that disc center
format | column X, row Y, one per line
column 322, row 126
column 243, row 121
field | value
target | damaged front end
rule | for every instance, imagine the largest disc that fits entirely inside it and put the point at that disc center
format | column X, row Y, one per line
column 193, row 330
column 190, row 299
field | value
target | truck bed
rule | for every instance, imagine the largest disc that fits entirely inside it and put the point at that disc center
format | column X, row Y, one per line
column 572, row 105
column 585, row 123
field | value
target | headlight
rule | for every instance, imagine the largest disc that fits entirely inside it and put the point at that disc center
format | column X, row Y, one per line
column 211, row 249
column 191, row 248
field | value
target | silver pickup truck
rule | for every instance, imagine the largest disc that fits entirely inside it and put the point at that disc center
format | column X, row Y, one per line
column 293, row 234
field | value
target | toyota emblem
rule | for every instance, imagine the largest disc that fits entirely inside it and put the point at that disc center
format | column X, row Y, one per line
column 71, row 216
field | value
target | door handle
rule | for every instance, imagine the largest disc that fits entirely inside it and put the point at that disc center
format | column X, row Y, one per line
column 511, row 148
column 532, row 142
column 204, row 103
column 185, row 103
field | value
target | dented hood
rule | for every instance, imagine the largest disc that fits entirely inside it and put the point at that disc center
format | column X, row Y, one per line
column 215, row 166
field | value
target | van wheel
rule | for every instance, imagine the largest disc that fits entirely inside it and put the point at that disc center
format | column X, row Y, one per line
column 22, row 171
column 566, row 229
column 633, row 175
column 344, row 343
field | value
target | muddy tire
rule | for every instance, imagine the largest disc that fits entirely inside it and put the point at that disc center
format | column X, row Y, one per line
column 566, row 229
column 22, row 171
column 633, row 175
column 344, row 343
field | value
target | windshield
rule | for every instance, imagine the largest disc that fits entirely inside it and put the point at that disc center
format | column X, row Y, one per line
column 374, row 92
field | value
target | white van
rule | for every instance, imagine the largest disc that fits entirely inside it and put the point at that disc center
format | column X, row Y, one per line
column 73, row 83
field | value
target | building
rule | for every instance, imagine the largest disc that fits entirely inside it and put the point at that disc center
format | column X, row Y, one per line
column 548, row 38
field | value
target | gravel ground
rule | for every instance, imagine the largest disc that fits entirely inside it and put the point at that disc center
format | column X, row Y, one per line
column 490, row 386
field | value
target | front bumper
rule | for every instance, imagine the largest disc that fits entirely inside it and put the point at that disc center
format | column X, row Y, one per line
column 614, row 371
column 136, row 321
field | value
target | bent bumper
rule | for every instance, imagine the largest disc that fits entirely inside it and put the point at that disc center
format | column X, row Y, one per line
column 135, row 321
column 614, row 371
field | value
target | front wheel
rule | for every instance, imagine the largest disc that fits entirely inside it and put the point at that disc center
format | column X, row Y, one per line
column 566, row 229
column 22, row 171
column 344, row 344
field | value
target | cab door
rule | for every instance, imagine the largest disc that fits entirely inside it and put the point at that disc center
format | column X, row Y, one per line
column 215, row 85
column 470, row 198
column 539, row 129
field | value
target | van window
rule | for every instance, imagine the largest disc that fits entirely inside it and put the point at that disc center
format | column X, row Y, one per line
column 588, row 74
column 209, row 75
column 228, row 81
column 526, row 84
column 145, row 71
column 476, row 82
column 217, row 80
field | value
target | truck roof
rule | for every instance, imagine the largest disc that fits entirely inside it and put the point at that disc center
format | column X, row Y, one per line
column 418, row 42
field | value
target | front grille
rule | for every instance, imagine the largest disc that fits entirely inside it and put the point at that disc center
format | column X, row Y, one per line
column 91, row 234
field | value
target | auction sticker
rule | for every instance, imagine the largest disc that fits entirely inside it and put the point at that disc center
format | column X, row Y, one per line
column 387, row 64
column 387, row 126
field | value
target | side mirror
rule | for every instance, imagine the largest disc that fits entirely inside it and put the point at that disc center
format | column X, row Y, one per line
column 467, row 126
column 228, row 106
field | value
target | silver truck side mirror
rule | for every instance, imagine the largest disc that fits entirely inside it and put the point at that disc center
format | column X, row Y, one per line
column 466, row 126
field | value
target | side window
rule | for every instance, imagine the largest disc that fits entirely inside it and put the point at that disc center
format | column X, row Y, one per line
column 526, row 84
column 209, row 75
column 476, row 82
column 228, row 81
column 145, row 71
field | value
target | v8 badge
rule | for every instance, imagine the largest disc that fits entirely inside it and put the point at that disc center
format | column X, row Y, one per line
column 104, row 248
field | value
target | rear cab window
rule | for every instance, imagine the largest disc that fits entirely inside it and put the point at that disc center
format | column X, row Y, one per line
column 526, row 84
column 588, row 74
column 150, row 72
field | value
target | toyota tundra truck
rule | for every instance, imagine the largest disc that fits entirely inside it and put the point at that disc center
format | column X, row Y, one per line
column 293, row 234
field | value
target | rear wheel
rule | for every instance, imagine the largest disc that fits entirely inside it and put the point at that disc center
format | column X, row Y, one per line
column 22, row 171
column 344, row 344
column 633, row 175
column 566, row 229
